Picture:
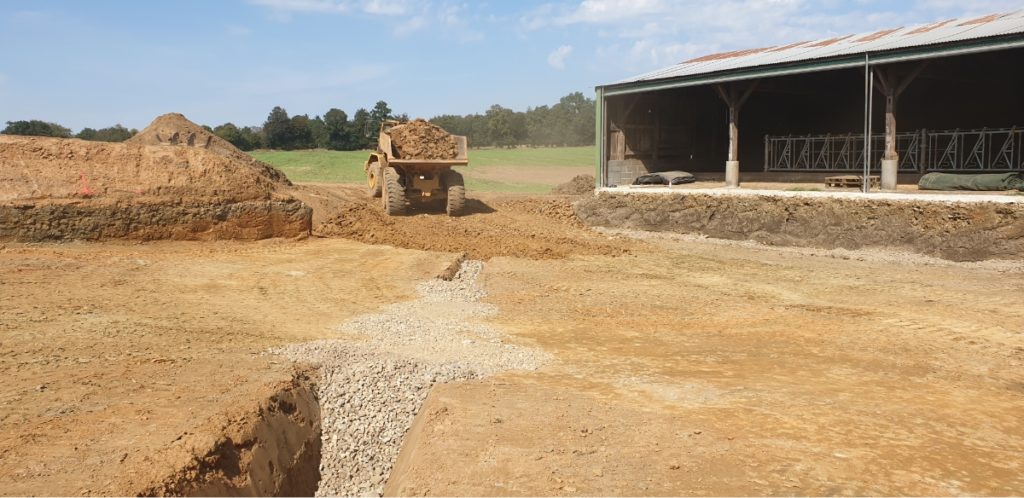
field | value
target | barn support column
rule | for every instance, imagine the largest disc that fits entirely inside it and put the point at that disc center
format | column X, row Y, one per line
column 891, row 88
column 730, row 93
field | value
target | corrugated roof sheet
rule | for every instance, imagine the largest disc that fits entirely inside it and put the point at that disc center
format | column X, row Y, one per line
column 953, row 30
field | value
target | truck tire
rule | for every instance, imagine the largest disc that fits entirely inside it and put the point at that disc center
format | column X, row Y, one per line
column 373, row 180
column 394, row 193
column 456, row 203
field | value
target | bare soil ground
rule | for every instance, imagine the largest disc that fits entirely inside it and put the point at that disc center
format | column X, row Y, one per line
column 495, row 224
column 123, row 363
column 695, row 368
column 679, row 366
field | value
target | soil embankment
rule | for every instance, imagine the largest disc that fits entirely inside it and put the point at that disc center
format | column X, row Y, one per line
column 172, row 181
column 959, row 231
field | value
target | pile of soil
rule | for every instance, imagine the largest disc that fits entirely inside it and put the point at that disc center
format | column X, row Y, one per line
column 173, row 180
column 174, row 129
column 579, row 185
column 515, row 226
column 419, row 139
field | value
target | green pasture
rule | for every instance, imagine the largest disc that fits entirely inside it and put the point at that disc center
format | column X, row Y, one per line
column 329, row 166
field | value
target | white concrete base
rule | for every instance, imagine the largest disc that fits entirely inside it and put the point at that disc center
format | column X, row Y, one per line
column 889, row 168
column 732, row 174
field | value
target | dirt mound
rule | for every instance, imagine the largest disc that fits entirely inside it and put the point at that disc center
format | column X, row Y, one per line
column 175, row 129
column 517, row 226
column 579, row 185
column 419, row 139
column 52, row 168
column 60, row 189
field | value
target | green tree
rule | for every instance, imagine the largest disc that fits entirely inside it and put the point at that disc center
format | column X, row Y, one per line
column 116, row 133
column 505, row 126
column 363, row 135
column 278, row 129
column 86, row 134
column 380, row 113
column 336, row 126
column 36, row 128
column 243, row 138
column 302, row 132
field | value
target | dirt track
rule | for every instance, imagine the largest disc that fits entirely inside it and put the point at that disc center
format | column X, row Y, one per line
column 679, row 366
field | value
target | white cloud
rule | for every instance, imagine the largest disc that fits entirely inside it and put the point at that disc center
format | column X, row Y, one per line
column 305, row 6
column 411, row 25
column 556, row 58
column 385, row 7
column 236, row 30
column 643, row 35
column 447, row 17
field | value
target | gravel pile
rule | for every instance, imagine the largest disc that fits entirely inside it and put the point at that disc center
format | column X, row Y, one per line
column 371, row 389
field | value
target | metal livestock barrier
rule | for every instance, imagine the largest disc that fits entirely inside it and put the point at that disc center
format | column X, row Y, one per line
column 920, row 151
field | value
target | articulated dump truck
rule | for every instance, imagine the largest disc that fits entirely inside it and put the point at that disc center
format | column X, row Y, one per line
column 400, row 181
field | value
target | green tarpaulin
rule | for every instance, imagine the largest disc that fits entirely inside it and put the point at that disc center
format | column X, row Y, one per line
column 986, row 181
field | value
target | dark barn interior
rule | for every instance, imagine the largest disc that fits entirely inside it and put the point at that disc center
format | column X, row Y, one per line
column 687, row 128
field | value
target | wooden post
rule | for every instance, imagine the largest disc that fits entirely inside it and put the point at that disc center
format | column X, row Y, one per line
column 734, row 101
column 734, row 133
column 892, row 88
column 890, row 128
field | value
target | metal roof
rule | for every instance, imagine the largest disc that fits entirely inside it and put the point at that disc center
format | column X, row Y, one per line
column 952, row 32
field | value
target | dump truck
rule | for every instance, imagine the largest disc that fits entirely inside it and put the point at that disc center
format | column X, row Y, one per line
column 401, row 181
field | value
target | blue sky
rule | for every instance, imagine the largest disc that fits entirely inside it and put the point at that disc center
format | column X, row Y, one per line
column 99, row 63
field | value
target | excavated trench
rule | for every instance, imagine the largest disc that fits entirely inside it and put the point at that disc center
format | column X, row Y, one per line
column 338, row 426
column 274, row 450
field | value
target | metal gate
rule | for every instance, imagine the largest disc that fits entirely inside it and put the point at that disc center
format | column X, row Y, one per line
column 921, row 151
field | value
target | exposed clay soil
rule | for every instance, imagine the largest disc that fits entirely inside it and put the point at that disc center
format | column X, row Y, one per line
column 698, row 368
column 496, row 225
column 142, row 368
column 420, row 139
column 173, row 180
column 579, row 185
column 960, row 231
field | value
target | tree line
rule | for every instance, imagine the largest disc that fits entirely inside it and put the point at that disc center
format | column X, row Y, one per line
column 37, row 128
column 569, row 122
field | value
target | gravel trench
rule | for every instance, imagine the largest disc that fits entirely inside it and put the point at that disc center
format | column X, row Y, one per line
column 373, row 384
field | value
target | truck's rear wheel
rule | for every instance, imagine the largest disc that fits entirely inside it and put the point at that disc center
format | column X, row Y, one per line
column 373, row 180
column 394, row 192
column 456, row 203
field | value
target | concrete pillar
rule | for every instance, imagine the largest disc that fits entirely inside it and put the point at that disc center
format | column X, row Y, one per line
column 889, row 168
column 732, row 174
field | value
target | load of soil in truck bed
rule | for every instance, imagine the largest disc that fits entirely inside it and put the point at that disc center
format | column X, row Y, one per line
column 419, row 139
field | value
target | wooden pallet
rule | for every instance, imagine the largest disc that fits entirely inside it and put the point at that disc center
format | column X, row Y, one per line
column 848, row 181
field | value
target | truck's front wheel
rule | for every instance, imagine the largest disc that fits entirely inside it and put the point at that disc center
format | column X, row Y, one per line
column 394, row 193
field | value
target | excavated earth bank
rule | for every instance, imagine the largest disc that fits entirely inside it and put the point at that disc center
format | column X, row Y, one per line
column 273, row 450
column 958, row 231
column 162, row 184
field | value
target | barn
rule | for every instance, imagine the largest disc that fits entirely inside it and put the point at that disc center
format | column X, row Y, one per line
column 946, row 96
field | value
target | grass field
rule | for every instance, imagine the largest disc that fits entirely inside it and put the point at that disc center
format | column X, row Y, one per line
column 490, row 170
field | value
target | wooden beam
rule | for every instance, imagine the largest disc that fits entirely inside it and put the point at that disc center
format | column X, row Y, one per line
column 721, row 93
column 910, row 77
column 746, row 94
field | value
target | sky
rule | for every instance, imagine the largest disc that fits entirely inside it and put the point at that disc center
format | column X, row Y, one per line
column 100, row 63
